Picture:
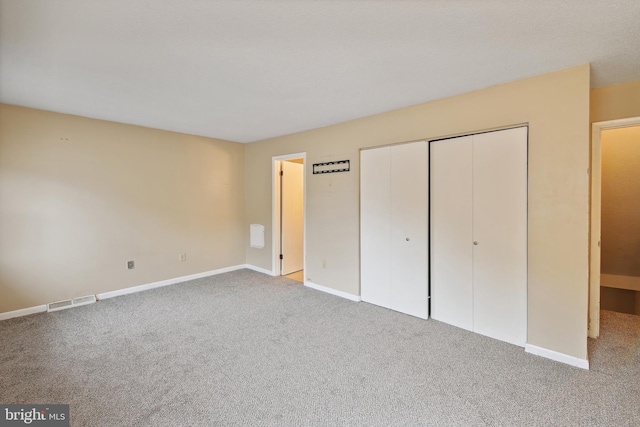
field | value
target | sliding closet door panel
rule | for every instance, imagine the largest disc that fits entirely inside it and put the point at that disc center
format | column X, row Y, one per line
column 500, row 230
column 409, row 228
column 451, row 222
column 375, row 226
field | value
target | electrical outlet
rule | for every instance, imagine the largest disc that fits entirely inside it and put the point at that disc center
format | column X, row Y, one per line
column 324, row 263
column 131, row 265
column 182, row 257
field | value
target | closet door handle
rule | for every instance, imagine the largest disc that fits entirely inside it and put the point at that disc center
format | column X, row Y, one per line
column 475, row 243
column 407, row 239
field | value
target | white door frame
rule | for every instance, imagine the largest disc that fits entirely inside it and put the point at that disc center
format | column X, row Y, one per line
column 595, row 216
column 275, row 210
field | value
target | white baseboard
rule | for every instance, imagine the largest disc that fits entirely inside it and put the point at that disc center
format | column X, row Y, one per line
column 558, row 357
column 332, row 291
column 259, row 269
column 140, row 288
column 23, row 312
column 106, row 295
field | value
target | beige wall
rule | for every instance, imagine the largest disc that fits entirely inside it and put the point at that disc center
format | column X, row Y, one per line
column 620, row 300
column 621, row 201
column 615, row 101
column 79, row 197
column 556, row 107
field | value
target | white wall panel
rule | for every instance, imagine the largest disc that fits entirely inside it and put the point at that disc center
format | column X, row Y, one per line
column 500, row 228
column 451, row 231
column 409, row 228
column 375, row 226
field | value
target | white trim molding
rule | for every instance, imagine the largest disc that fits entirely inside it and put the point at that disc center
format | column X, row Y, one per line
column 140, row 288
column 23, row 312
column 332, row 291
column 558, row 357
column 259, row 269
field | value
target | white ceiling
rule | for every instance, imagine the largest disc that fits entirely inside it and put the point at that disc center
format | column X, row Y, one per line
column 249, row 70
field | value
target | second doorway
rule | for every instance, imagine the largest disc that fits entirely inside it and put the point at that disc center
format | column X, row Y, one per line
column 290, row 217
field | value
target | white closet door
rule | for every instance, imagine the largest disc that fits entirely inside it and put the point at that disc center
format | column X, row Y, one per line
column 409, row 228
column 451, row 222
column 500, row 230
column 375, row 226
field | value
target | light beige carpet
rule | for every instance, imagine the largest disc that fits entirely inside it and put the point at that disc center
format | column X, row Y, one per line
column 246, row 349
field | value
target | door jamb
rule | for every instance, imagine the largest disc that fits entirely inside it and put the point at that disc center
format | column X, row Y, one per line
column 276, row 265
column 595, row 216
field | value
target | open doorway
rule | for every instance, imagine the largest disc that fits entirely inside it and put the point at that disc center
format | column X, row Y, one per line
column 615, row 231
column 289, row 216
column 620, row 228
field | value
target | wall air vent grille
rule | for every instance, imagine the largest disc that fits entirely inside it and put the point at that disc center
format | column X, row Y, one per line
column 75, row 302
